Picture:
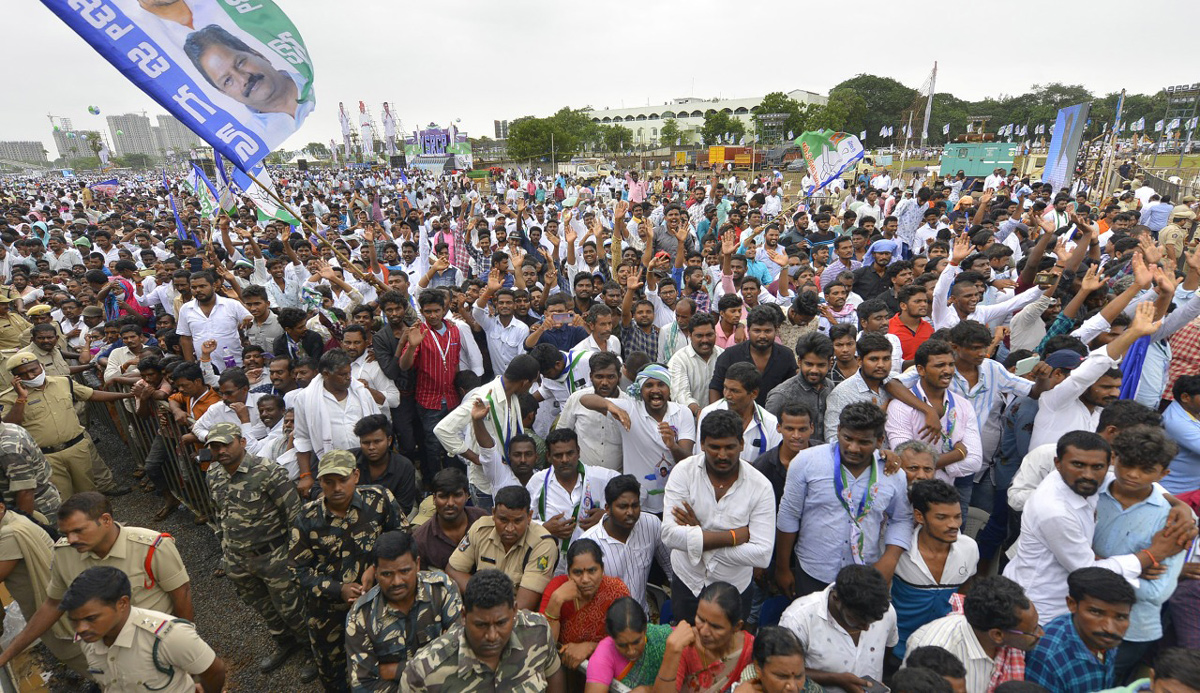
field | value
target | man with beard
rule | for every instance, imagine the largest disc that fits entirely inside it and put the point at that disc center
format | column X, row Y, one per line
column 602, row 446
column 774, row 361
column 656, row 432
column 1058, row 525
column 638, row 331
column 452, row 518
column 1074, row 402
column 719, row 517
column 811, row 386
column 209, row 316
column 567, row 497
column 382, row 389
column 691, row 368
column 406, row 609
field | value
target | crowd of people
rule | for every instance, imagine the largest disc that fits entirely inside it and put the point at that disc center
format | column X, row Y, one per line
column 675, row 431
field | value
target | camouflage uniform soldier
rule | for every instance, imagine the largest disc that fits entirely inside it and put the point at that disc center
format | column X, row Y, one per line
column 405, row 610
column 256, row 507
column 331, row 544
column 494, row 647
column 25, row 474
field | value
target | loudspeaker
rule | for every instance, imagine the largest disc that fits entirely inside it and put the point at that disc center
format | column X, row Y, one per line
column 302, row 164
column 397, row 161
column 208, row 167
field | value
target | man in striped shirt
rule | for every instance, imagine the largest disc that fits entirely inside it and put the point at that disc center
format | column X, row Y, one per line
column 630, row 540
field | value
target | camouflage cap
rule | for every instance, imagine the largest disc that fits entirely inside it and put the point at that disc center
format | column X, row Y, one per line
column 223, row 433
column 339, row 462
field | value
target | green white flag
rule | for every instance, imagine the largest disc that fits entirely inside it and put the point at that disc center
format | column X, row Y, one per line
column 262, row 194
column 828, row 155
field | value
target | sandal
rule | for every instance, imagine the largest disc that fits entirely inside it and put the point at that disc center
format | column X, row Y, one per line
column 165, row 512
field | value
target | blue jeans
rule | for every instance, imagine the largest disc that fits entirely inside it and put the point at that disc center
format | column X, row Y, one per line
column 481, row 500
column 995, row 533
column 433, row 455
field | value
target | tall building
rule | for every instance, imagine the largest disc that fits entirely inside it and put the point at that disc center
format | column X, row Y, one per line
column 173, row 135
column 29, row 152
column 646, row 122
column 68, row 142
column 131, row 134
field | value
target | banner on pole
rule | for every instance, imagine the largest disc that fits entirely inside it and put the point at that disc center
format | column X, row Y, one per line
column 828, row 154
column 239, row 76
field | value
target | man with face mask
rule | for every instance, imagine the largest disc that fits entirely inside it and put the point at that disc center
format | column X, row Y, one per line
column 43, row 405
column 406, row 609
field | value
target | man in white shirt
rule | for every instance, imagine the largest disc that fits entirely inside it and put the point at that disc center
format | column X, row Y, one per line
column 326, row 412
column 631, row 541
column 741, row 387
column 568, row 498
column 602, row 446
column 505, row 334
column 209, row 316
column 718, row 517
column 1075, row 401
column 1058, row 524
column 691, row 368
column 846, row 629
column 656, row 433
column 238, row 406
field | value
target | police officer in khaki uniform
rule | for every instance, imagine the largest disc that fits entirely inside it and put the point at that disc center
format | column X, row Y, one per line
column 47, row 346
column 91, row 537
column 1175, row 236
column 44, row 406
column 510, row 541
column 494, row 647
column 12, row 324
column 134, row 650
column 40, row 315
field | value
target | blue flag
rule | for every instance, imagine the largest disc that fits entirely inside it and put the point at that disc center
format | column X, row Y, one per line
column 180, row 230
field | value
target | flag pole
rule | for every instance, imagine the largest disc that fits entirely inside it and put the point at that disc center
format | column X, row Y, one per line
column 312, row 233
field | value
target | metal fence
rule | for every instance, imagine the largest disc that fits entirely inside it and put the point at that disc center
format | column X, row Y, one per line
column 158, row 439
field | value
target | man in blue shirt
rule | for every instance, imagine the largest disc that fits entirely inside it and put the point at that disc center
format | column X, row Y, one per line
column 834, row 502
column 1182, row 421
column 1130, row 510
column 1078, row 653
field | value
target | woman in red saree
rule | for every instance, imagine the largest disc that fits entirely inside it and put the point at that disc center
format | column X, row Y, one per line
column 577, row 603
column 710, row 656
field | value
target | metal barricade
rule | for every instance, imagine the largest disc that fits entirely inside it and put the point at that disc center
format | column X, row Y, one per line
column 161, row 436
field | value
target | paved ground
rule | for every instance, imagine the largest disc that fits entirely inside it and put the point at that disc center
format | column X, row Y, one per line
column 236, row 633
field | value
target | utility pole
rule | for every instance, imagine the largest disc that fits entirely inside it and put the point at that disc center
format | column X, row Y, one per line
column 553, row 158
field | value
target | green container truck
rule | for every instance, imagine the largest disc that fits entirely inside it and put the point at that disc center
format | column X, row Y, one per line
column 977, row 159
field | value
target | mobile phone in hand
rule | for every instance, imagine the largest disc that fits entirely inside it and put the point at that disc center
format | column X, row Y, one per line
column 874, row 686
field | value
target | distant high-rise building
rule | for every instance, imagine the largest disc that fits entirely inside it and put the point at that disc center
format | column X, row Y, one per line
column 501, row 129
column 68, row 142
column 173, row 135
column 30, row 152
column 131, row 134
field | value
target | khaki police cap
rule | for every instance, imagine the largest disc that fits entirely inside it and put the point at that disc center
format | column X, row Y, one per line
column 17, row 360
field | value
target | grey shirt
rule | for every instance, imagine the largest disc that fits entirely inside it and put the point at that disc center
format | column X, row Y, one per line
column 797, row 389
column 264, row 334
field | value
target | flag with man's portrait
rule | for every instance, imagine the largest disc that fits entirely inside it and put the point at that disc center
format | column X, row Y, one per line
column 243, row 113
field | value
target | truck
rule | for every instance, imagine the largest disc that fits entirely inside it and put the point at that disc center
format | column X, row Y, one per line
column 740, row 157
column 977, row 159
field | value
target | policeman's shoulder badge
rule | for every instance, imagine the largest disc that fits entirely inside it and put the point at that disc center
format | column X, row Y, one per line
column 464, row 544
column 543, row 563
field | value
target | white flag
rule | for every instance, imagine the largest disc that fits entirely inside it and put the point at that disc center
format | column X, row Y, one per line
column 862, row 136
column 1191, row 124
column 883, row 131
column 1174, row 124
column 676, row 141
column 742, row 142
column 1158, row 126
column 790, row 135
column 946, row 129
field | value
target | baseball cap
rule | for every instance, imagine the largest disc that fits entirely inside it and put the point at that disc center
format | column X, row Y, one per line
column 1064, row 358
column 17, row 360
column 223, row 433
column 339, row 462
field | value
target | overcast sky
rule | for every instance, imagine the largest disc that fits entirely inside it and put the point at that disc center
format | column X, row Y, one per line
column 481, row 61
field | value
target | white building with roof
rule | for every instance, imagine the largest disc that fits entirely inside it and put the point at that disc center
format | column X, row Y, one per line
column 646, row 122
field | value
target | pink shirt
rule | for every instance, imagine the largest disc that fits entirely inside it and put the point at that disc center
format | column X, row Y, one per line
column 606, row 663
